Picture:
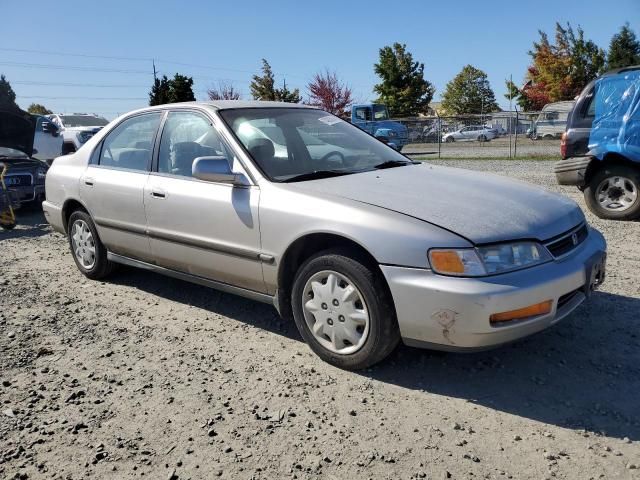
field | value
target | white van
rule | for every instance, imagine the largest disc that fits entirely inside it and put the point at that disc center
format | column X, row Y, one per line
column 552, row 120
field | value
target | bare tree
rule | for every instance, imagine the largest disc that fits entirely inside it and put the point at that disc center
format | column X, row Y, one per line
column 329, row 93
column 223, row 91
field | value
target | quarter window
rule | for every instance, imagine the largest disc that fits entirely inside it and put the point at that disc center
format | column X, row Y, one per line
column 185, row 137
column 130, row 144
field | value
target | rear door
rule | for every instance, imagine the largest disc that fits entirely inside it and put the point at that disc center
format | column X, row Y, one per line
column 113, row 185
column 202, row 228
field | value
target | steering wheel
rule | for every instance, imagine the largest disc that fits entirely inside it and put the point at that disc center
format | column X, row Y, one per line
column 333, row 154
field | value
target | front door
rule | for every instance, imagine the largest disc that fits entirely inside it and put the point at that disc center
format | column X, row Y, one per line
column 203, row 228
column 113, row 185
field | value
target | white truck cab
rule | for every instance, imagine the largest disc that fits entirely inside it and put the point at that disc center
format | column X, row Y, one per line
column 77, row 128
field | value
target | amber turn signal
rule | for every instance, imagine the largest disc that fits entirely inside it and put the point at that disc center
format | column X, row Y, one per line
column 526, row 312
column 447, row 261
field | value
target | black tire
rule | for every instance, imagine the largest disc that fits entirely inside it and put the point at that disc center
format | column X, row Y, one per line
column 384, row 333
column 482, row 138
column 8, row 226
column 450, row 140
column 607, row 172
column 102, row 266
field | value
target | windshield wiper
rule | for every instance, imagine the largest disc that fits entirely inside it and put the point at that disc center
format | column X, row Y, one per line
column 318, row 174
column 393, row 163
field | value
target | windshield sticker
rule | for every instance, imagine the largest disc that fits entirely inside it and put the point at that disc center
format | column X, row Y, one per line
column 329, row 120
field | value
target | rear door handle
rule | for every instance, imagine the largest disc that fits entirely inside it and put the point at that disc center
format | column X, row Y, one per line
column 157, row 193
column 88, row 181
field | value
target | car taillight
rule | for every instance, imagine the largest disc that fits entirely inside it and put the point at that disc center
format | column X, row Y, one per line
column 563, row 145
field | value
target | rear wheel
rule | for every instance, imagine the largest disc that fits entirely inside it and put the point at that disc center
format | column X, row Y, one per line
column 613, row 193
column 482, row 138
column 88, row 251
column 450, row 140
column 343, row 310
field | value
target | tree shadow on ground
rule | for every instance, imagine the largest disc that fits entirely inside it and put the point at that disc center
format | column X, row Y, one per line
column 583, row 373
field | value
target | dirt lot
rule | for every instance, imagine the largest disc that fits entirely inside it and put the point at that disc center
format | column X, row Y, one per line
column 496, row 148
column 144, row 375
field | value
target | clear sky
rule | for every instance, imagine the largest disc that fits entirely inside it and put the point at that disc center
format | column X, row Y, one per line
column 213, row 40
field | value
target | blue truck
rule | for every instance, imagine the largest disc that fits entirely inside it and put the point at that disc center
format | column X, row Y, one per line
column 373, row 118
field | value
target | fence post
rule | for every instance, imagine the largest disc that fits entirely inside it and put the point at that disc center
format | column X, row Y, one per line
column 515, row 143
column 439, row 133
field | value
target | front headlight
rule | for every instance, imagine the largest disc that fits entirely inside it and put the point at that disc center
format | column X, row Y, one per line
column 41, row 173
column 488, row 260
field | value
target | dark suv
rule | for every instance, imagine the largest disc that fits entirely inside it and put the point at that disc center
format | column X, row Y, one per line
column 601, row 146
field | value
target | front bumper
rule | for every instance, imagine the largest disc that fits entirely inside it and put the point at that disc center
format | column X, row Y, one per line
column 572, row 171
column 448, row 313
column 28, row 193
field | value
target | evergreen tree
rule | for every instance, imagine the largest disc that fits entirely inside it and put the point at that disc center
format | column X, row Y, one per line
column 403, row 87
column 469, row 92
column 7, row 95
column 160, row 92
column 38, row 109
column 263, row 86
column 516, row 95
column 285, row 95
column 624, row 49
column 181, row 89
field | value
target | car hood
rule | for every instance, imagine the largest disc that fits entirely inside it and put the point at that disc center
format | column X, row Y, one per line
column 15, row 164
column 483, row 208
column 17, row 130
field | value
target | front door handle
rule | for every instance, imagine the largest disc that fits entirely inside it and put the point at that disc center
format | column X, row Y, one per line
column 157, row 193
column 88, row 181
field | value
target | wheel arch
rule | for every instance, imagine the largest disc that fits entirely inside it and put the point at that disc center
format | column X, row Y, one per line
column 303, row 248
column 71, row 205
column 610, row 158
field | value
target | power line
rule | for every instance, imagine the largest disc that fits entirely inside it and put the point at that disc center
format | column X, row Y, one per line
column 65, row 84
column 81, row 98
column 67, row 67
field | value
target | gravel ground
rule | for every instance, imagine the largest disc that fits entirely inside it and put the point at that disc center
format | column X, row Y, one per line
column 497, row 148
column 144, row 375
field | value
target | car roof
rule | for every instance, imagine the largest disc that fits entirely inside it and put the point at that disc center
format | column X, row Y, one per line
column 621, row 70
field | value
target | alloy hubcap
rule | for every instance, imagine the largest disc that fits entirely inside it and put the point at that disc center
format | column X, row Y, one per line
column 335, row 312
column 84, row 247
column 617, row 194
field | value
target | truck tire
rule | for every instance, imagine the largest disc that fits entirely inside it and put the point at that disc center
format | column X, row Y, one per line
column 613, row 192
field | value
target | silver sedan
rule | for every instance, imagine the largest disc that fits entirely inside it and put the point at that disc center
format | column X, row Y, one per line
column 362, row 247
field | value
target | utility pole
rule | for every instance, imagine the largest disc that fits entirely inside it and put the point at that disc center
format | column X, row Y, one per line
column 510, row 124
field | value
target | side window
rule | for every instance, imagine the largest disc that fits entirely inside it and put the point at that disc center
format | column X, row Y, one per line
column 364, row 114
column 185, row 137
column 130, row 144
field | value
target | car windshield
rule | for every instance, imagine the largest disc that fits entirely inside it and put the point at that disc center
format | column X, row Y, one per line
column 380, row 112
column 287, row 143
column 83, row 121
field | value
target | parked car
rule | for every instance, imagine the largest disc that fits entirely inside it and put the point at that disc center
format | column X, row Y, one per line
column 552, row 121
column 24, row 175
column 601, row 147
column 47, row 143
column 360, row 254
column 77, row 128
column 374, row 119
column 480, row 133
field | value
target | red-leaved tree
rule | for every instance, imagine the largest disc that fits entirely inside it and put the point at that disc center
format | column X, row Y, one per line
column 329, row 93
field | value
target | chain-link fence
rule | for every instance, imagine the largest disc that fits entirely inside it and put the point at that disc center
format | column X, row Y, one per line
column 497, row 135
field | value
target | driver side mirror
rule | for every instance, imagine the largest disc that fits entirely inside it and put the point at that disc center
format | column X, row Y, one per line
column 216, row 169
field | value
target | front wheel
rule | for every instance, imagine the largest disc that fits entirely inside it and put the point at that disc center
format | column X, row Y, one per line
column 343, row 310
column 449, row 140
column 612, row 193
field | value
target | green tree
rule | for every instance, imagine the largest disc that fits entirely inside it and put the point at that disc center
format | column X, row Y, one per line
column 177, row 89
column 7, row 95
column 263, row 86
column 403, row 87
column 587, row 59
column 624, row 49
column 181, row 89
column 38, row 109
column 285, row 95
column 517, row 95
column 160, row 91
column 469, row 92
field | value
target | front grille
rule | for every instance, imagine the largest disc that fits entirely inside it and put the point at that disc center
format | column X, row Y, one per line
column 566, row 242
column 23, row 180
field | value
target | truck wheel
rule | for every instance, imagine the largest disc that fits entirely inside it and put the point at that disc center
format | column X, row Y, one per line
column 613, row 192
column 88, row 251
column 343, row 310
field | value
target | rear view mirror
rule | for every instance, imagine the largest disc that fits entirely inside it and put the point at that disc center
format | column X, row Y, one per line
column 216, row 169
